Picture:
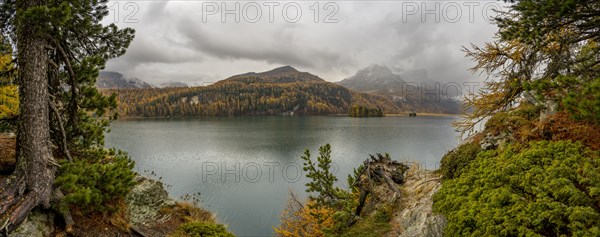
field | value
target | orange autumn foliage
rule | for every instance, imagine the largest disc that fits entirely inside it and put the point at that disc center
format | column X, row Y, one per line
column 562, row 127
column 299, row 220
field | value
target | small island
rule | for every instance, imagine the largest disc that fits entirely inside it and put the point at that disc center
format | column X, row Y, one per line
column 364, row 111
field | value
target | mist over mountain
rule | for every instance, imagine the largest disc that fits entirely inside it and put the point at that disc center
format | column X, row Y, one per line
column 374, row 78
column 115, row 80
column 410, row 91
column 173, row 84
column 414, row 75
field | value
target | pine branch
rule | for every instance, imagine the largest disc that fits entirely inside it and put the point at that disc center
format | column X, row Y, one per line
column 62, row 130
column 72, row 82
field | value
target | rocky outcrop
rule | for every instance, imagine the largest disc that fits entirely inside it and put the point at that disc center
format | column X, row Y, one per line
column 145, row 201
column 144, row 204
column 491, row 141
column 408, row 189
column 415, row 216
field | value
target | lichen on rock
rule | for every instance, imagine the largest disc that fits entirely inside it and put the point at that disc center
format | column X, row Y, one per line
column 37, row 224
column 145, row 201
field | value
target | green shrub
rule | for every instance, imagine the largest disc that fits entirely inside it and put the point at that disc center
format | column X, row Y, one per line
column 93, row 183
column 367, row 227
column 584, row 103
column 547, row 189
column 513, row 120
column 455, row 161
column 202, row 229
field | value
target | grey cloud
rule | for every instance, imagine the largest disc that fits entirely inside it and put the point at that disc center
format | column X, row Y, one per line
column 173, row 44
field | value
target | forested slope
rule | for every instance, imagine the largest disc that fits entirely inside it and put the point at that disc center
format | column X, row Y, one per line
column 280, row 91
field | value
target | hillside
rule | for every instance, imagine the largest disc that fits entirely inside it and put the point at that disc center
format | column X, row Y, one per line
column 173, row 84
column 406, row 95
column 115, row 80
column 285, row 74
column 280, row 91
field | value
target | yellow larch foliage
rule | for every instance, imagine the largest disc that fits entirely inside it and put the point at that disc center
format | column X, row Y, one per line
column 299, row 220
column 9, row 101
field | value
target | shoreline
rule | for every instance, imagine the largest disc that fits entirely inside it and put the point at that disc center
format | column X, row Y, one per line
column 313, row 115
column 424, row 114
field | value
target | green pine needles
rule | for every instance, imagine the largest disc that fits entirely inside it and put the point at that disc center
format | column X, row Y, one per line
column 546, row 189
column 322, row 178
column 97, row 182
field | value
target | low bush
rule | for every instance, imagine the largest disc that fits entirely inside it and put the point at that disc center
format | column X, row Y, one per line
column 95, row 182
column 202, row 229
column 545, row 189
column 455, row 161
column 518, row 120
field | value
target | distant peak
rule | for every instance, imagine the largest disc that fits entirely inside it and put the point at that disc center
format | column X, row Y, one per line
column 284, row 69
column 378, row 68
column 375, row 70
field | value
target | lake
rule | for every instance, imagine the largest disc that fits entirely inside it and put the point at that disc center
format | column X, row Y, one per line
column 244, row 167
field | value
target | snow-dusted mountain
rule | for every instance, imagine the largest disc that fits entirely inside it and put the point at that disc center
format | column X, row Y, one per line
column 373, row 78
column 403, row 89
column 115, row 80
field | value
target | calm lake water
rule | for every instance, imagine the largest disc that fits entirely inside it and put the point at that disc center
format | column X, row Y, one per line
column 244, row 167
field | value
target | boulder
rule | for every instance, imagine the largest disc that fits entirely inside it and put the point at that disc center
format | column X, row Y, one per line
column 145, row 201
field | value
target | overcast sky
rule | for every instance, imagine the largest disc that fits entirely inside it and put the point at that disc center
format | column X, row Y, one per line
column 187, row 41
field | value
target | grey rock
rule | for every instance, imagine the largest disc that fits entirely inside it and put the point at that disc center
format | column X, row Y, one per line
column 494, row 141
column 37, row 224
column 551, row 109
column 417, row 218
column 145, row 201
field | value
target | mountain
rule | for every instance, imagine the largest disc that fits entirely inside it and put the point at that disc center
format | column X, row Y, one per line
column 373, row 78
column 406, row 90
column 281, row 91
column 115, row 80
column 285, row 74
column 173, row 84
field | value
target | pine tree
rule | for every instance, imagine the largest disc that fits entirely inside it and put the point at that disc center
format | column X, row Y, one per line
column 60, row 47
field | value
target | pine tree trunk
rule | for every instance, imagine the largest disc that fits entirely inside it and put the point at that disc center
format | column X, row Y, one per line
column 33, row 154
column 31, row 183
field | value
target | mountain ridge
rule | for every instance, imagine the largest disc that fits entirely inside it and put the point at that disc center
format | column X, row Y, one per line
column 284, row 74
column 408, row 96
column 116, row 80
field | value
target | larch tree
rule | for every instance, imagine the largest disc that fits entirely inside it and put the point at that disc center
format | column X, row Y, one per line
column 542, row 50
column 60, row 46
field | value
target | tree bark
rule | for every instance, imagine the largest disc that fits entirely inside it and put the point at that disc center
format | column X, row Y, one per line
column 34, row 172
column 34, row 151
